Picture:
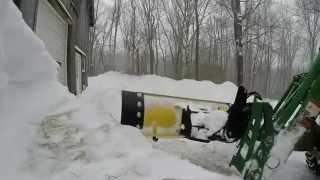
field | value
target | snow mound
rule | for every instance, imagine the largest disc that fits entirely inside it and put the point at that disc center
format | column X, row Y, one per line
column 28, row 89
column 46, row 133
column 82, row 139
column 207, row 90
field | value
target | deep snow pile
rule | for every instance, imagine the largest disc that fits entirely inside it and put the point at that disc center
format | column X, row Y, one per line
column 84, row 140
column 28, row 89
column 46, row 133
column 160, row 85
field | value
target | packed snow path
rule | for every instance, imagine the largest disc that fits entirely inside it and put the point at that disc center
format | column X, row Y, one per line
column 46, row 133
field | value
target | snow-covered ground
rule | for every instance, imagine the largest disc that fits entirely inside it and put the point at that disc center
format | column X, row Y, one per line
column 83, row 139
column 46, row 133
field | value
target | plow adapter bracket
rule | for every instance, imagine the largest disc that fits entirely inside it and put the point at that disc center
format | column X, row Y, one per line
column 251, row 155
column 132, row 109
column 258, row 148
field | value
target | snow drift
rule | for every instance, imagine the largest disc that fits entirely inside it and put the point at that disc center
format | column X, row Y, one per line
column 46, row 133
column 83, row 139
column 207, row 90
column 28, row 88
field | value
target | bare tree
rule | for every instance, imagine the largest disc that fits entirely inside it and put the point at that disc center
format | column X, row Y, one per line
column 249, row 42
column 309, row 11
column 233, row 7
column 92, row 41
column 237, row 16
column 117, row 16
column 197, row 39
column 149, row 22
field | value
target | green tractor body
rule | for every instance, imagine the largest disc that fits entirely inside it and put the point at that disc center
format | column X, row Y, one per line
column 272, row 133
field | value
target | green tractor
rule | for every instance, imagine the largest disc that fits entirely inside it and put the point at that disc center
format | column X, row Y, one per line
column 272, row 134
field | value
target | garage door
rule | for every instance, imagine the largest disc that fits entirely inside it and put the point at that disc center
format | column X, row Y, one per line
column 53, row 30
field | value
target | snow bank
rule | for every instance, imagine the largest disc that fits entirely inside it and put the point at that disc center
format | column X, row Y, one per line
column 207, row 90
column 46, row 133
column 83, row 139
column 28, row 88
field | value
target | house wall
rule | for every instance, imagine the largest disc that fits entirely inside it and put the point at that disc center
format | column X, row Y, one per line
column 79, row 35
column 83, row 35
column 71, row 55
column 73, row 38
column 78, row 30
column 29, row 11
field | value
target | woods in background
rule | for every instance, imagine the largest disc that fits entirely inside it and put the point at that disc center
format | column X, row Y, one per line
column 258, row 43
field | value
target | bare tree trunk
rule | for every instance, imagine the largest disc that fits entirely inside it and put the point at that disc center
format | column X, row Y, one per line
column 197, row 40
column 238, row 39
column 117, row 7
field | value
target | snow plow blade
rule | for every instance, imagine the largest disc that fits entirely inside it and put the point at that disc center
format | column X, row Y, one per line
column 160, row 115
column 272, row 134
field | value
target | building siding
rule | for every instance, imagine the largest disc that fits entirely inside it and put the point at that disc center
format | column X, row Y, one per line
column 29, row 11
column 83, row 35
column 79, row 36
column 78, row 30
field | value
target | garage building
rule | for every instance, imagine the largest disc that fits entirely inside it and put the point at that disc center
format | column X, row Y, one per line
column 64, row 27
